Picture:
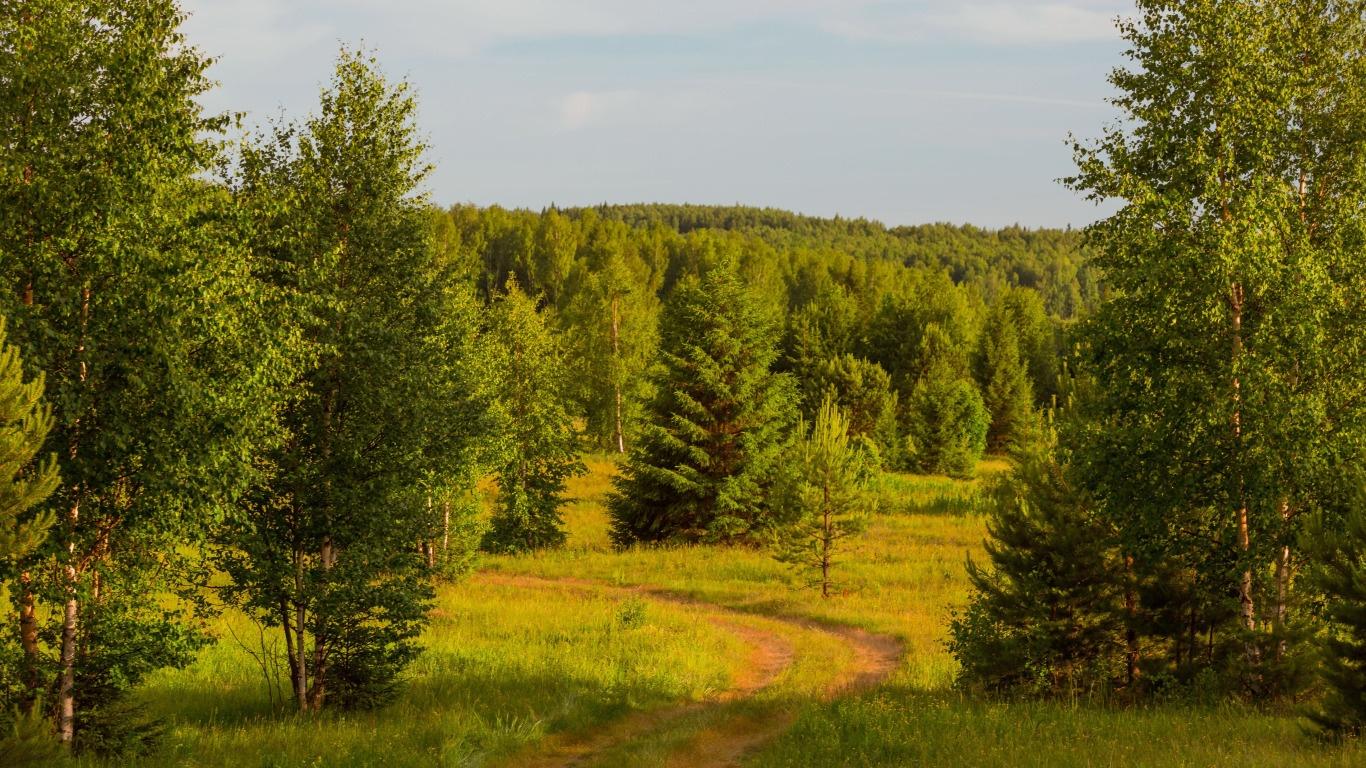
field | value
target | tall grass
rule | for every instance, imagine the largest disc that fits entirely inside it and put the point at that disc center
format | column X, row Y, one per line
column 506, row 665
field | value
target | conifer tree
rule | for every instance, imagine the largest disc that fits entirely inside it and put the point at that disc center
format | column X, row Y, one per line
column 1339, row 573
column 864, row 391
column 24, row 484
column 823, row 498
column 325, row 549
column 945, row 420
column 1004, row 381
column 703, row 466
column 1045, row 617
column 538, row 452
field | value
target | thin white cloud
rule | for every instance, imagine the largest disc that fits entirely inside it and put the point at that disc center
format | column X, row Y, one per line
column 582, row 108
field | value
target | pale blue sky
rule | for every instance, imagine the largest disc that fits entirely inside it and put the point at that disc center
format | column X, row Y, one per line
column 904, row 111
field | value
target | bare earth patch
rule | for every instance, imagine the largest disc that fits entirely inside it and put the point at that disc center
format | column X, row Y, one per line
column 727, row 741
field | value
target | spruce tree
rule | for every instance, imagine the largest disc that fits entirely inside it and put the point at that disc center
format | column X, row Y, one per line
column 823, row 499
column 325, row 548
column 1004, row 382
column 864, row 391
column 945, row 421
column 703, row 466
column 538, row 452
column 1339, row 574
column 1045, row 617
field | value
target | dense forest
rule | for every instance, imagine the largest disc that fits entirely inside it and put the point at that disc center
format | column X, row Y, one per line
column 265, row 373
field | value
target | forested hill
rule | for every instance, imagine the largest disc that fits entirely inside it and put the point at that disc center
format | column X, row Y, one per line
column 1051, row 261
column 920, row 321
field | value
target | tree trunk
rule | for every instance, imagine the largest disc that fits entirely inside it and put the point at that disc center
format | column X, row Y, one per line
column 317, row 693
column 66, row 689
column 1131, row 655
column 1246, row 605
column 28, row 636
column 445, row 528
column 618, row 434
column 1282, row 582
column 298, row 661
column 827, row 539
column 66, row 678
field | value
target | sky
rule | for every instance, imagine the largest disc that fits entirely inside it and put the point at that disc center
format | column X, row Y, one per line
column 905, row 111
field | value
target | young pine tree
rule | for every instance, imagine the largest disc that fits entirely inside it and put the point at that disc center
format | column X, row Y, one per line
column 25, row 736
column 703, row 466
column 823, row 500
column 24, row 484
column 538, row 452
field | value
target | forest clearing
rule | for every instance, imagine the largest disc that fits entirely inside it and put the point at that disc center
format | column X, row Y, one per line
column 329, row 441
column 703, row 657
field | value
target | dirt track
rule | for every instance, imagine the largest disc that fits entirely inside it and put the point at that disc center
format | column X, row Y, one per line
column 725, row 742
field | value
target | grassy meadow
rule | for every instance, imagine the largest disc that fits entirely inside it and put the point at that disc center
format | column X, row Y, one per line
column 559, row 648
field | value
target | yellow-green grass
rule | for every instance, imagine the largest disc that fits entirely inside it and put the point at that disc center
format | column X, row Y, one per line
column 502, row 667
column 506, row 665
column 901, row 576
column 904, row 576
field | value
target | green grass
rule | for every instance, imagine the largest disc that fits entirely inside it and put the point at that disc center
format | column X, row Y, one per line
column 502, row 667
column 507, row 665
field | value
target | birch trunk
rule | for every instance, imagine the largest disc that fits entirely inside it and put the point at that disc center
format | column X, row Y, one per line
column 618, row 435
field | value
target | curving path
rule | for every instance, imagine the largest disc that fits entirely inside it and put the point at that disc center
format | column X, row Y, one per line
column 724, row 742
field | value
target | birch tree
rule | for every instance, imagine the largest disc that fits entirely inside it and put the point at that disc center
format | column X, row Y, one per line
column 326, row 548
column 125, row 289
column 1230, row 354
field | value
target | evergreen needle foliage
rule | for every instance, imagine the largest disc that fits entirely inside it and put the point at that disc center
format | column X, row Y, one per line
column 1044, row 618
column 823, row 499
column 703, row 467
column 1340, row 575
column 24, row 482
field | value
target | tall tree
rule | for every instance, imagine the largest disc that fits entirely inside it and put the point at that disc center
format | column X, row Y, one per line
column 538, row 452
column 1004, row 381
column 124, row 287
column 326, row 548
column 1229, row 354
column 610, row 326
column 704, row 464
column 824, row 498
